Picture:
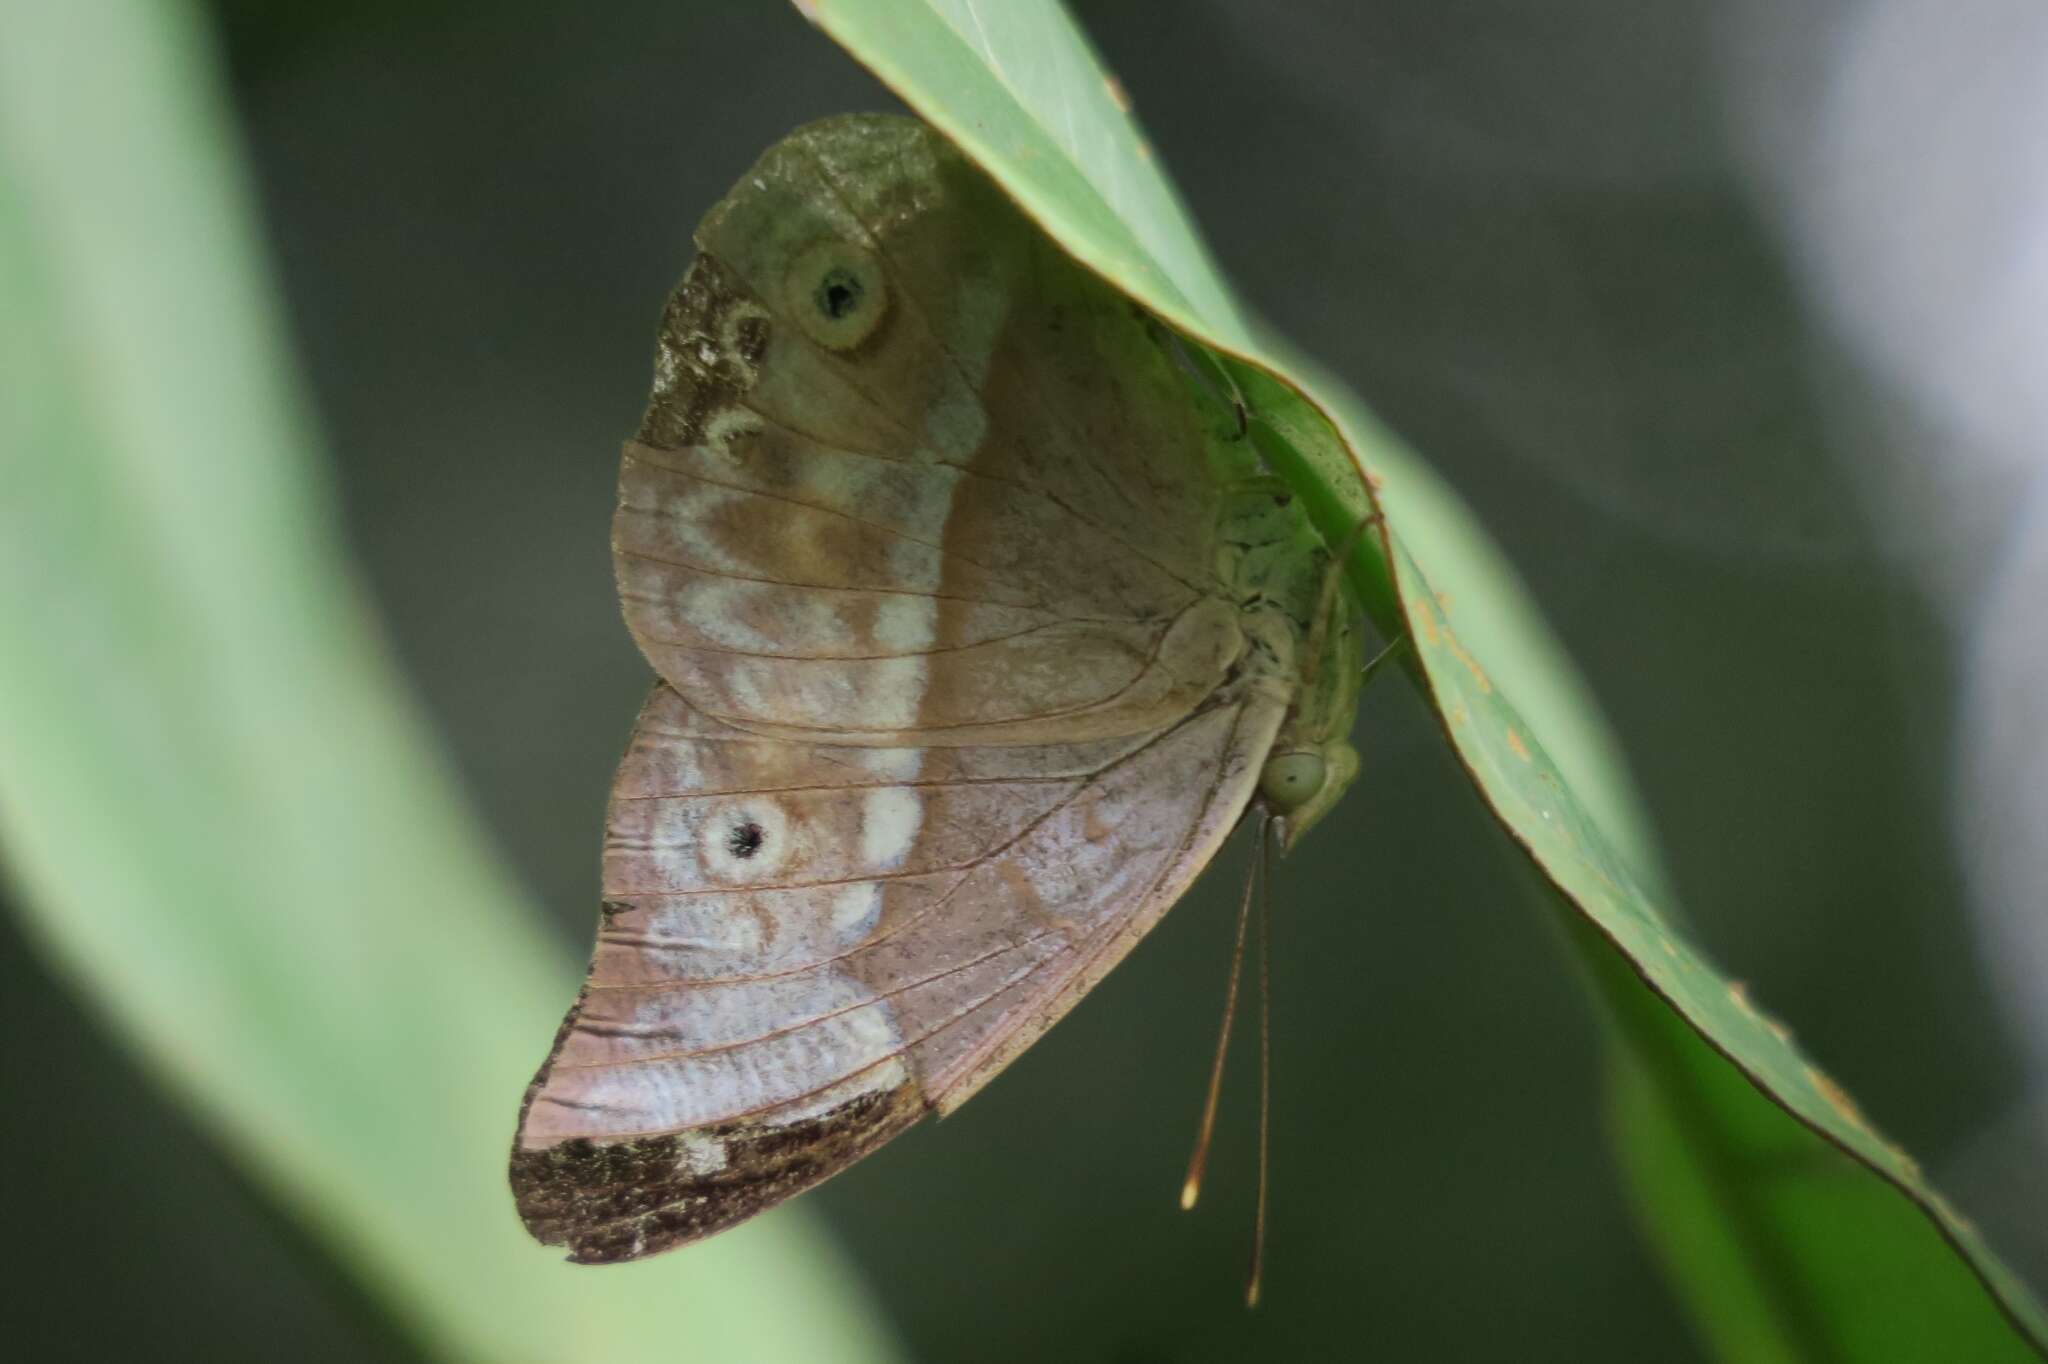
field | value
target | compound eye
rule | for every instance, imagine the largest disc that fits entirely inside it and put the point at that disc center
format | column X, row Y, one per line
column 838, row 294
column 1291, row 780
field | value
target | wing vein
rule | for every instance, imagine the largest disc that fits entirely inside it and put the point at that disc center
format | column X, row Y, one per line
column 827, row 1017
column 1112, row 930
column 1078, row 708
column 739, row 577
column 940, row 903
column 851, row 658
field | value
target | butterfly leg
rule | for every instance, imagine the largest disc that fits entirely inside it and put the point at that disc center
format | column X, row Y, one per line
column 1330, row 600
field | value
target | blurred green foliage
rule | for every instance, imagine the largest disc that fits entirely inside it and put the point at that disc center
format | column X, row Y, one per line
column 228, row 824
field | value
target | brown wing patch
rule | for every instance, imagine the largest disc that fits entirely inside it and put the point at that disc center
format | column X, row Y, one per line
column 621, row 1200
column 1169, row 808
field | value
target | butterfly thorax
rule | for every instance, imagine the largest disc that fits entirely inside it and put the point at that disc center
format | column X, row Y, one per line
column 1300, row 645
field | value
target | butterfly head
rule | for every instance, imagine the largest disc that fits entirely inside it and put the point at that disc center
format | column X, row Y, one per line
column 1299, row 785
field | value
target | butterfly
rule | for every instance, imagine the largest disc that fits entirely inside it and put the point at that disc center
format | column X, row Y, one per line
column 977, row 632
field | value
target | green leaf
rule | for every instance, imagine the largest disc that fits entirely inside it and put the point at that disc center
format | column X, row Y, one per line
column 1808, row 1256
column 1785, row 1248
column 229, row 826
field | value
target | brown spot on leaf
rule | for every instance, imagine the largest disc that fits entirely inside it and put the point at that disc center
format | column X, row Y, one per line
column 1837, row 1099
column 1471, row 664
column 1425, row 623
column 1515, row 742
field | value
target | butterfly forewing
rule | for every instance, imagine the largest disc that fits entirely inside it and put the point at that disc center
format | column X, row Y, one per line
column 921, row 533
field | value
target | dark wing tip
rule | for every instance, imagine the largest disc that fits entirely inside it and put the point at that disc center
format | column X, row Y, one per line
column 609, row 1202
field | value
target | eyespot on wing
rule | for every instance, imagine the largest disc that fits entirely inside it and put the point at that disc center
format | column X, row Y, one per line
column 838, row 293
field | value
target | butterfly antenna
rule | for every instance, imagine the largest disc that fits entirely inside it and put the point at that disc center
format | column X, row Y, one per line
column 1386, row 655
column 1265, row 863
column 1192, row 1189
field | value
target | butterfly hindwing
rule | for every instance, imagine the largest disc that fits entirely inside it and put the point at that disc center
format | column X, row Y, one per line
column 823, row 942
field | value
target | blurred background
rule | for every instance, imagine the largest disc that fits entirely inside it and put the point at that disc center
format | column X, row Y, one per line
column 1729, row 320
